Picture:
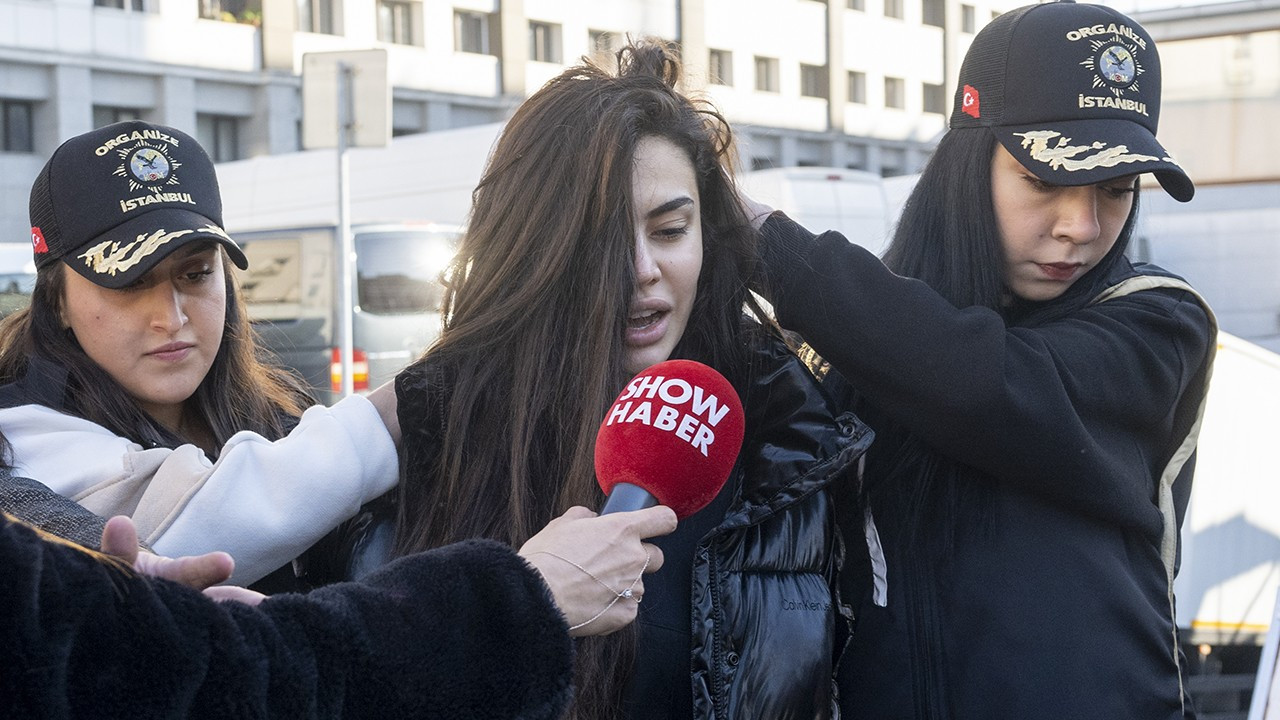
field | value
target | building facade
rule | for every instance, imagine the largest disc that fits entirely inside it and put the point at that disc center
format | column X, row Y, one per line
column 1221, row 103
column 861, row 84
column 1221, row 80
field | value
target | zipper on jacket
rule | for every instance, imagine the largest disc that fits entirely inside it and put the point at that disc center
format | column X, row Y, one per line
column 718, row 691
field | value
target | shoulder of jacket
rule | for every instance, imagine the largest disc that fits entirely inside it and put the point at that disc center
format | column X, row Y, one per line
column 1155, row 282
column 42, row 383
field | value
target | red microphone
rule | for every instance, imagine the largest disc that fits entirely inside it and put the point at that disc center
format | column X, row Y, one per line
column 671, row 437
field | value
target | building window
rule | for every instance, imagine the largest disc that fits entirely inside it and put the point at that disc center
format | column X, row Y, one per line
column 409, row 117
column 895, row 93
column 471, row 32
column 220, row 136
column 893, row 8
column 602, row 43
column 935, row 98
column 16, row 130
column 720, row 67
column 813, row 81
column 934, row 12
column 316, row 16
column 859, row 5
column 766, row 74
column 544, row 42
column 857, row 87
column 968, row 19
column 395, row 22
column 893, row 162
column 134, row 5
column 248, row 12
column 855, row 155
column 104, row 115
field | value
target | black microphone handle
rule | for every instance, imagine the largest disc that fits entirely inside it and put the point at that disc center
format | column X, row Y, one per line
column 627, row 497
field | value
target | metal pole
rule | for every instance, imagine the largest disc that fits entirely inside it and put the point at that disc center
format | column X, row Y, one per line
column 347, row 256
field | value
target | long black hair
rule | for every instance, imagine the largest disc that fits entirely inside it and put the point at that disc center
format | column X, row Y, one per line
column 949, row 238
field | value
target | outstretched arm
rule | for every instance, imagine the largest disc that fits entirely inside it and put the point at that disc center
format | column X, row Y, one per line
column 466, row 631
column 1053, row 408
column 200, row 572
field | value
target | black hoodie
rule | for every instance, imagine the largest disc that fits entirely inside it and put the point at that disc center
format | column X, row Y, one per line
column 1044, row 590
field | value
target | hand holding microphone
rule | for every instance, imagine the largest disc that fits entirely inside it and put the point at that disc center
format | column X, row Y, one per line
column 672, row 437
column 594, row 564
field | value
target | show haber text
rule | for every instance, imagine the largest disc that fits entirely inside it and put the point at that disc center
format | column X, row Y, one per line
column 672, row 405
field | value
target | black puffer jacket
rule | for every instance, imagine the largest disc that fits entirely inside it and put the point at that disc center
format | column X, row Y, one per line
column 765, row 622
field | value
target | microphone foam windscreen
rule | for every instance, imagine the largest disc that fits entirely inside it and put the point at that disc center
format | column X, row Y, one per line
column 674, row 431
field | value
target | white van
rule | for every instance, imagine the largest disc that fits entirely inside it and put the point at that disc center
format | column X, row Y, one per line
column 850, row 201
column 17, row 276
column 292, row 285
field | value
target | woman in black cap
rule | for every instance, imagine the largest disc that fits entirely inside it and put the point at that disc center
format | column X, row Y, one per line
column 134, row 371
column 1036, row 395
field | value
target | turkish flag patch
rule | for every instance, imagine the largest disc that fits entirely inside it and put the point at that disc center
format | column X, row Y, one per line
column 37, row 241
column 970, row 102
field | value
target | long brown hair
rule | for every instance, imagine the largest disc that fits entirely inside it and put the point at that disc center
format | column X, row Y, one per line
column 240, row 392
column 536, row 309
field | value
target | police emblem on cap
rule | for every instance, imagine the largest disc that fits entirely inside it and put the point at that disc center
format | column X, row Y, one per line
column 146, row 165
column 1115, row 66
column 149, row 165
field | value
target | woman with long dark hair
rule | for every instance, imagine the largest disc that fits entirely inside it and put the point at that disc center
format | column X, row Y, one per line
column 606, row 236
column 1036, row 395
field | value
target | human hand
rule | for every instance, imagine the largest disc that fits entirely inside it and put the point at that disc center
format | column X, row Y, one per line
column 595, row 565
column 202, row 572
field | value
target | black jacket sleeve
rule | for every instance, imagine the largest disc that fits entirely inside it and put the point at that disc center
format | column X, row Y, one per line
column 468, row 631
column 35, row 504
column 1070, row 409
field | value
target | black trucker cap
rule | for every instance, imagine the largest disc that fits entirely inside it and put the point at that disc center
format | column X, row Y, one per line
column 1072, row 90
column 113, row 202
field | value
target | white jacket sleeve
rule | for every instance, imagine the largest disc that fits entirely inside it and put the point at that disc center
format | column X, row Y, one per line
column 263, row 502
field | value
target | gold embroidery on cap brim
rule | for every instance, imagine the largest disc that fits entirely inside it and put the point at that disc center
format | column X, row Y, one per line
column 109, row 258
column 1064, row 156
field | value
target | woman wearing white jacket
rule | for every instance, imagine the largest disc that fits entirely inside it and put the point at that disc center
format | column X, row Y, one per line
column 133, row 384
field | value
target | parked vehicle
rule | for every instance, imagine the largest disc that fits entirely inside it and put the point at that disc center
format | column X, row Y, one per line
column 427, row 177
column 292, row 284
column 1231, row 535
column 1225, row 242
column 851, row 201
column 17, row 276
